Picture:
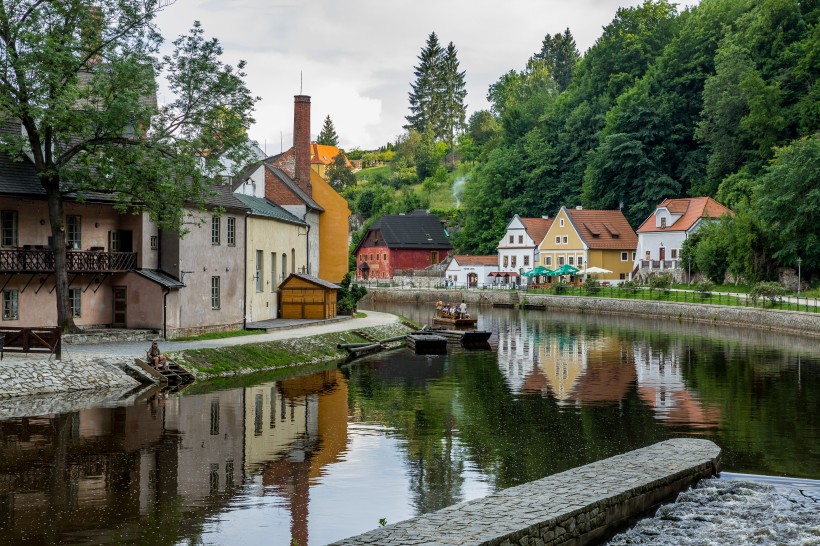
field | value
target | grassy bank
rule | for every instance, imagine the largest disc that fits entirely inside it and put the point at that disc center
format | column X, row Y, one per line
column 286, row 353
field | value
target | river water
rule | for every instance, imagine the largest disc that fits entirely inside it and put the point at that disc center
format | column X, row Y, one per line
column 315, row 456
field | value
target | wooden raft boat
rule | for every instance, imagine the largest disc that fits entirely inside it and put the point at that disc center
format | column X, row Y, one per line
column 427, row 343
column 455, row 322
column 467, row 337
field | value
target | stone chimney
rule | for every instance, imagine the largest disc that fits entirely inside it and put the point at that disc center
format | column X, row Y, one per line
column 301, row 142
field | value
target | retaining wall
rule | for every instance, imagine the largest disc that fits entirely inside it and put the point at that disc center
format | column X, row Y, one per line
column 770, row 319
column 22, row 377
column 579, row 506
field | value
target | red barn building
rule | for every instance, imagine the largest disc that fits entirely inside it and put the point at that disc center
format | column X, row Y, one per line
column 401, row 241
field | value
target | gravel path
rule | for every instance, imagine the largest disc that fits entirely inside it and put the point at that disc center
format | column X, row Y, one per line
column 138, row 348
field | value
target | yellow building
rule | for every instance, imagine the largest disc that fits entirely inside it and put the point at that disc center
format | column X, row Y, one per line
column 590, row 238
column 322, row 156
column 276, row 247
column 333, row 230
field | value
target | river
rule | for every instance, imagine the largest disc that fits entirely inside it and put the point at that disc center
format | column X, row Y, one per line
column 313, row 456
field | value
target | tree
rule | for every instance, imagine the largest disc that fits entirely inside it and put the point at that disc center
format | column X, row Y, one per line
column 425, row 97
column 339, row 174
column 453, row 110
column 327, row 135
column 560, row 55
column 81, row 82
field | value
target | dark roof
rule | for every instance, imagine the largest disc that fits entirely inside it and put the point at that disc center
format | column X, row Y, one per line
column 223, row 197
column 314, row 280
column 288, row 181
column 422, row 231
column 18, row 177
column 160, row 277
column 263, row 207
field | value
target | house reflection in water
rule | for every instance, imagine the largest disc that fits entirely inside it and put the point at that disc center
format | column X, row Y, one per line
column 661, row 385
column 293, row 428
column 162, row 467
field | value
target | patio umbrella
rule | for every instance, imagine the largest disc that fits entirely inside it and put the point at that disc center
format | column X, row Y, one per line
column 595, row 270
column 566, row 269
column 541, row 271
column 530, row 273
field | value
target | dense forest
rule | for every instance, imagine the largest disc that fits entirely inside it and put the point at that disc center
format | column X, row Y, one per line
column 722, row 99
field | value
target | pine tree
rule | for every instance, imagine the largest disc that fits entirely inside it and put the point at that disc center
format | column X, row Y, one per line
column 560, row 55
column 453, row 92
column 327, row 135
column 425, row 97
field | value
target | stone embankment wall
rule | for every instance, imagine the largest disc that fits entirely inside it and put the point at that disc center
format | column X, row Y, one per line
column 770, row 319
column 22, row 377
column 579, row 506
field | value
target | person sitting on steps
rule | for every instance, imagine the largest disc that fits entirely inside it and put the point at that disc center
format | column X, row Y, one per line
column 157, row 359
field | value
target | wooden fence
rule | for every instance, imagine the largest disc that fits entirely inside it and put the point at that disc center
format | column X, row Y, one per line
column 31, row 340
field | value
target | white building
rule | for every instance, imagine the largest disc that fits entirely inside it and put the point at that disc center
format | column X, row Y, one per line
column 661, row 236
column 471, row 271
column 518, row 249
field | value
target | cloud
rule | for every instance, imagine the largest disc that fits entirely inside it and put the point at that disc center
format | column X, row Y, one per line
column 356, row 58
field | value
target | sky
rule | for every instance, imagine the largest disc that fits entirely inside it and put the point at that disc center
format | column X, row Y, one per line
column 355, row 58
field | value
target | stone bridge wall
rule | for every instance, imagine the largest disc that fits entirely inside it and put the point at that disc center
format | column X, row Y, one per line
column 579, row 506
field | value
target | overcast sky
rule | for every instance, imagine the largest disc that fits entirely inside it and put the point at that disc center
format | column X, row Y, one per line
column 357, row 56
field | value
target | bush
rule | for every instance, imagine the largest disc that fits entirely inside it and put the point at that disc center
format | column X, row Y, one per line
column 771, row 291
column 348, row 296
column 661, row 281
column 561, row 288
column 592, row 286
column 705, row 288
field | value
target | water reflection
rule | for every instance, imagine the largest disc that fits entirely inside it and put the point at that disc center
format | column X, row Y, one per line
column 321, row 456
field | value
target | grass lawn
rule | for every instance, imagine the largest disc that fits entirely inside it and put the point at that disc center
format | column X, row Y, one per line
column 220, row 335
column 731, row 288
column 371, row 172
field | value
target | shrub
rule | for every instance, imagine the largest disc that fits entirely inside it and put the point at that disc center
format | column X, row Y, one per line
column 661, row 281
column 769, row 290
column 348, row 296
column 561, row 288
column 592, row 286
column 705, row 288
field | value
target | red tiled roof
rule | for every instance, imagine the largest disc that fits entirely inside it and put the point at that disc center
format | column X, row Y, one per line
column 476, row 260
column 603, row 229
column 324, row 154
column 692, row 209
column 537, row 228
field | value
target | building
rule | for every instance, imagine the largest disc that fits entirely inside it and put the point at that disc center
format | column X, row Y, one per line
column 307, row 297
column 661, row 236
column 518, row 248
column 590, row 238
column 401, row 242
column 296, row 186
column 471, row 271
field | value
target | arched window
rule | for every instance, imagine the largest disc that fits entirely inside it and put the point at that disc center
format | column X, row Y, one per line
column 284, row 266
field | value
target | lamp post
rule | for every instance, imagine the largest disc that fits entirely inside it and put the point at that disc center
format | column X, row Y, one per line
column 799, row 261
column 689, row 272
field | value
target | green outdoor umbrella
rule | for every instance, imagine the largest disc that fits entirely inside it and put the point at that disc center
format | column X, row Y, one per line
column 541, row 271
column 566, row 269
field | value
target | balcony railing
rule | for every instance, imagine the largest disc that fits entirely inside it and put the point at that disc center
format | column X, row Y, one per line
column 42, row 261
column 659, row 264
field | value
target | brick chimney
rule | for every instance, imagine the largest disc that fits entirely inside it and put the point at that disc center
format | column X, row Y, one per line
column 301, row 142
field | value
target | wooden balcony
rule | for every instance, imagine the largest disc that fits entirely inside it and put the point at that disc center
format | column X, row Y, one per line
column 77, row 261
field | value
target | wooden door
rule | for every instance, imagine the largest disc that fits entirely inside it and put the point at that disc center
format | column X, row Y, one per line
column 120, row 306
column 662, row 254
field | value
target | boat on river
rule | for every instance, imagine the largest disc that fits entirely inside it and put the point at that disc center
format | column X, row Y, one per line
column 453, row 322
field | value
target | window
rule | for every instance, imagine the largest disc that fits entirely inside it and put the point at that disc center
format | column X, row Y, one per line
column 624, row 256
column 10, row 308
column 565, row 239
column 215, row 417
column 214, row 292
column 257, row 415
column 259, row 278
column 293, row 260
column 622, row 276
column 561, row 222
column 560, row 260
column 526, row 261
column 663, row 222
column 273, row 271
column 434, row 257
column 580, row 260
column 114, row 241
column 74, row 232
column 634, row 255
column 557, row 239
column 75, row 301
column 284, row 265
column 572, row 260
column 9, row 227
column 548, row 260
column 520, row 239
column 674, row 253
column 506, row 261
column 513, row 261
column 384, row 257
column 231, row 231
column 154, row 242
column 512, row 237
column 215, row 229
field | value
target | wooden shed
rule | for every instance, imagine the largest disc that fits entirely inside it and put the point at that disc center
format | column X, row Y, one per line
column 307, row 297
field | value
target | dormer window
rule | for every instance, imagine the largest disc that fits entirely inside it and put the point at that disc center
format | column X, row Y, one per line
column 663, row 222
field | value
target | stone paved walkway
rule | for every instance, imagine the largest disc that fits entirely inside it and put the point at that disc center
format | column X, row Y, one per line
column 288, row 331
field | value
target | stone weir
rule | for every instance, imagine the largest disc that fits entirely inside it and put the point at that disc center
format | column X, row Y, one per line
column 580, row 506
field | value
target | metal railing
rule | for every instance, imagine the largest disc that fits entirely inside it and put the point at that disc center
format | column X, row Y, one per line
column 42, row 261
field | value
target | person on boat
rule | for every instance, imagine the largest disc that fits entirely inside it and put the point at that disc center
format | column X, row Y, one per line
column 439, row 307
column 155, row 357
column 463, row 310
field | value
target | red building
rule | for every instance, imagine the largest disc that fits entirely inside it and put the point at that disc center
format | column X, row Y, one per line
column 401, row 241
